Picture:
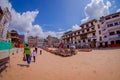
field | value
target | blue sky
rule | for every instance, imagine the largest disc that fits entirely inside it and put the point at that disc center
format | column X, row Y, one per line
column 56, row 16
column 53, row 14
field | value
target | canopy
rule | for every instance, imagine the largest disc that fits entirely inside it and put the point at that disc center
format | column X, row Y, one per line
column 5, row 45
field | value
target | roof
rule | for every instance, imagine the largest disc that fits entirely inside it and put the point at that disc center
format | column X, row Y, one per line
column 109, row 15
column 88, row 22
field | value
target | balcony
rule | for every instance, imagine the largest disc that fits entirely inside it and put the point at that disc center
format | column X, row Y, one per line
column 111, row 28
column 112, row 19
column 114, row 36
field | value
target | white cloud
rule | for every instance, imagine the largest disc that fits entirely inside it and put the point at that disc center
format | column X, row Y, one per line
column 23, row 22
column 76, row 27
column 60, row 29
column 118, row 10
column 55, row 34
column 96, row 9
column 5, row 3
column 108, row 4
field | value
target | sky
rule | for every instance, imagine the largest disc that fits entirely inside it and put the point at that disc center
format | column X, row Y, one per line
column 54, row 17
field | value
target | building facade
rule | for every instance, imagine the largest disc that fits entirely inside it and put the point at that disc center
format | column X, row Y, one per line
column 111, row 29
column 21, row 38
column 89, row 35
column 14, row 37
column 32, row 41
column 40, row 43
column 5, row 17
column 52, row 41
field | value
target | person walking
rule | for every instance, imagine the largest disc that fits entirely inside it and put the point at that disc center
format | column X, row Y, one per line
column 27, row 52
column 40, row 52
column 36, row 49
column 34, row 55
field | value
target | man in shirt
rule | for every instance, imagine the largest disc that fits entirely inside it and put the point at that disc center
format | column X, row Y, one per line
column 27, row 52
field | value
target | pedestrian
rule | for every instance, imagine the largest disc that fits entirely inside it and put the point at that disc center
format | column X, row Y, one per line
column 40, row 52
column 34, row 55
column 27, row 52
column 36, row 49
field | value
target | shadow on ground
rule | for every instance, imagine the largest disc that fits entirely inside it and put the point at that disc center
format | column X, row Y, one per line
column 22, row 65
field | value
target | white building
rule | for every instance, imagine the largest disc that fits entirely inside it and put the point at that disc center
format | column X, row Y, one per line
column 111, row 29
column 89, row 35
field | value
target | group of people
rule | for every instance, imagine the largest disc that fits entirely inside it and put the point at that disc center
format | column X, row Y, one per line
column 28, row 54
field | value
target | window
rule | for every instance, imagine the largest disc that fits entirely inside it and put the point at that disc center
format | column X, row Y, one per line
column 116, row 23
column 112, row 42
column 118, row 32
column 86, row 25
column 83, row 31
column 93, row 34
column 100, row 38
column 74, row 33
column 115, row 16
column 75, row 42
column 99, row 32
column 110, row 25
column 94, row 40
column 102, row 22
column 88, row 40
column 92, row 28
column 87, row 29
column 98, row 26
column 107, row 18
column 91, row 23
column 112, row 33
column 83, row 40
column 82, row 27
column 117, row 41
column 105, row 36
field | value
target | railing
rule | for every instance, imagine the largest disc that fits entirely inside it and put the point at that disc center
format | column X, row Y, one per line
column 111, row 28
column 112, row 19
column 114, row 36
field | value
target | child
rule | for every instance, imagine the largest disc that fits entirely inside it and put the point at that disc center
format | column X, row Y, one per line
column 36, row 49
column 40, row 52
column 34, row 55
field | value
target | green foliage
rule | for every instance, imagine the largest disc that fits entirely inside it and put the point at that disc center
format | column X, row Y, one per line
column 95, row 20
column 67, row 32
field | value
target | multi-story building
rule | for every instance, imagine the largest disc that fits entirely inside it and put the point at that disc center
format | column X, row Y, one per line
column 89, row 35
column 14, row 36
column 5, row 17
column 111, row 29
column 21, row 38
column 32, row 41
column 40, row 42
column 52, row 41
